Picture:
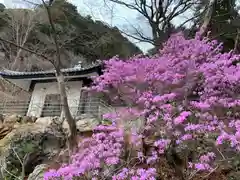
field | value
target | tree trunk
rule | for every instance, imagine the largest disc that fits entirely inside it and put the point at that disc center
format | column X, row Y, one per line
column 16, row 60
column 207, row 18
column 155, row 36
column 235, row 50
column 61, row 83
column 66, row 110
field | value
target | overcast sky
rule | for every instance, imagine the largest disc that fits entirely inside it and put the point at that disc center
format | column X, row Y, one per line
column 121, row 17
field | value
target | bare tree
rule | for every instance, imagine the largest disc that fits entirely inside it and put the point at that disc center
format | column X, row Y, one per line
column 159, row 15
column 57, row 64
column 99, row 11
column 20, row 25
column 61, row 81
column 23, row 27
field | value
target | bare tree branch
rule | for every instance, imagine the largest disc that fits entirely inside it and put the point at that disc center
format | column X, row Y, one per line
column 22, row 37
column 159, row 15
column 25, row 49
column 141, row 39
column 56, row 62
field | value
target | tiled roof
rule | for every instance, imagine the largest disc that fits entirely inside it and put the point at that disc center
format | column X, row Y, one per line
column 69, row 71
column 9, row 72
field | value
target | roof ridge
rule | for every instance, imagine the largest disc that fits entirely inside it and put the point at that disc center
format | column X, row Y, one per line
column 49, row 71
column 66, row 71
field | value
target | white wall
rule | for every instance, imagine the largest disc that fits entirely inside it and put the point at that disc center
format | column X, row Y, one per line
column 42, row 89
column 24, row 84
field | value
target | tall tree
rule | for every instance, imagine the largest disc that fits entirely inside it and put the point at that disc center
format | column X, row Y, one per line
column 159, row 15
column 56, row 62
column 61, row 81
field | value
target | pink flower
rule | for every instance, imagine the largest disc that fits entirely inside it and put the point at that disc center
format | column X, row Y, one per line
column 182, row 117
column 186, row 93
column 203, row 166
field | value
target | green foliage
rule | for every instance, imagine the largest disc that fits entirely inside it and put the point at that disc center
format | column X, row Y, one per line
column 31, row 149
column 19, row 149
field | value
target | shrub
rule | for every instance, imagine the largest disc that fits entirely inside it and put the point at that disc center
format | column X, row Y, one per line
column 188, row 98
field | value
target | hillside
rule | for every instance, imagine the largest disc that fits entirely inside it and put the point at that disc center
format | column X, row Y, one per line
column 80, row 38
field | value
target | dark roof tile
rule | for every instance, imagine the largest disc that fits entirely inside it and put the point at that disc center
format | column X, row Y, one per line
column 69, row 71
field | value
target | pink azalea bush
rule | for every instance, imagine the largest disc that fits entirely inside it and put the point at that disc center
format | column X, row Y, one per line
column 188, row 95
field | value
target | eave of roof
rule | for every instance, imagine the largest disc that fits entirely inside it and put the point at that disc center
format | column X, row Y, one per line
column 46, row 74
